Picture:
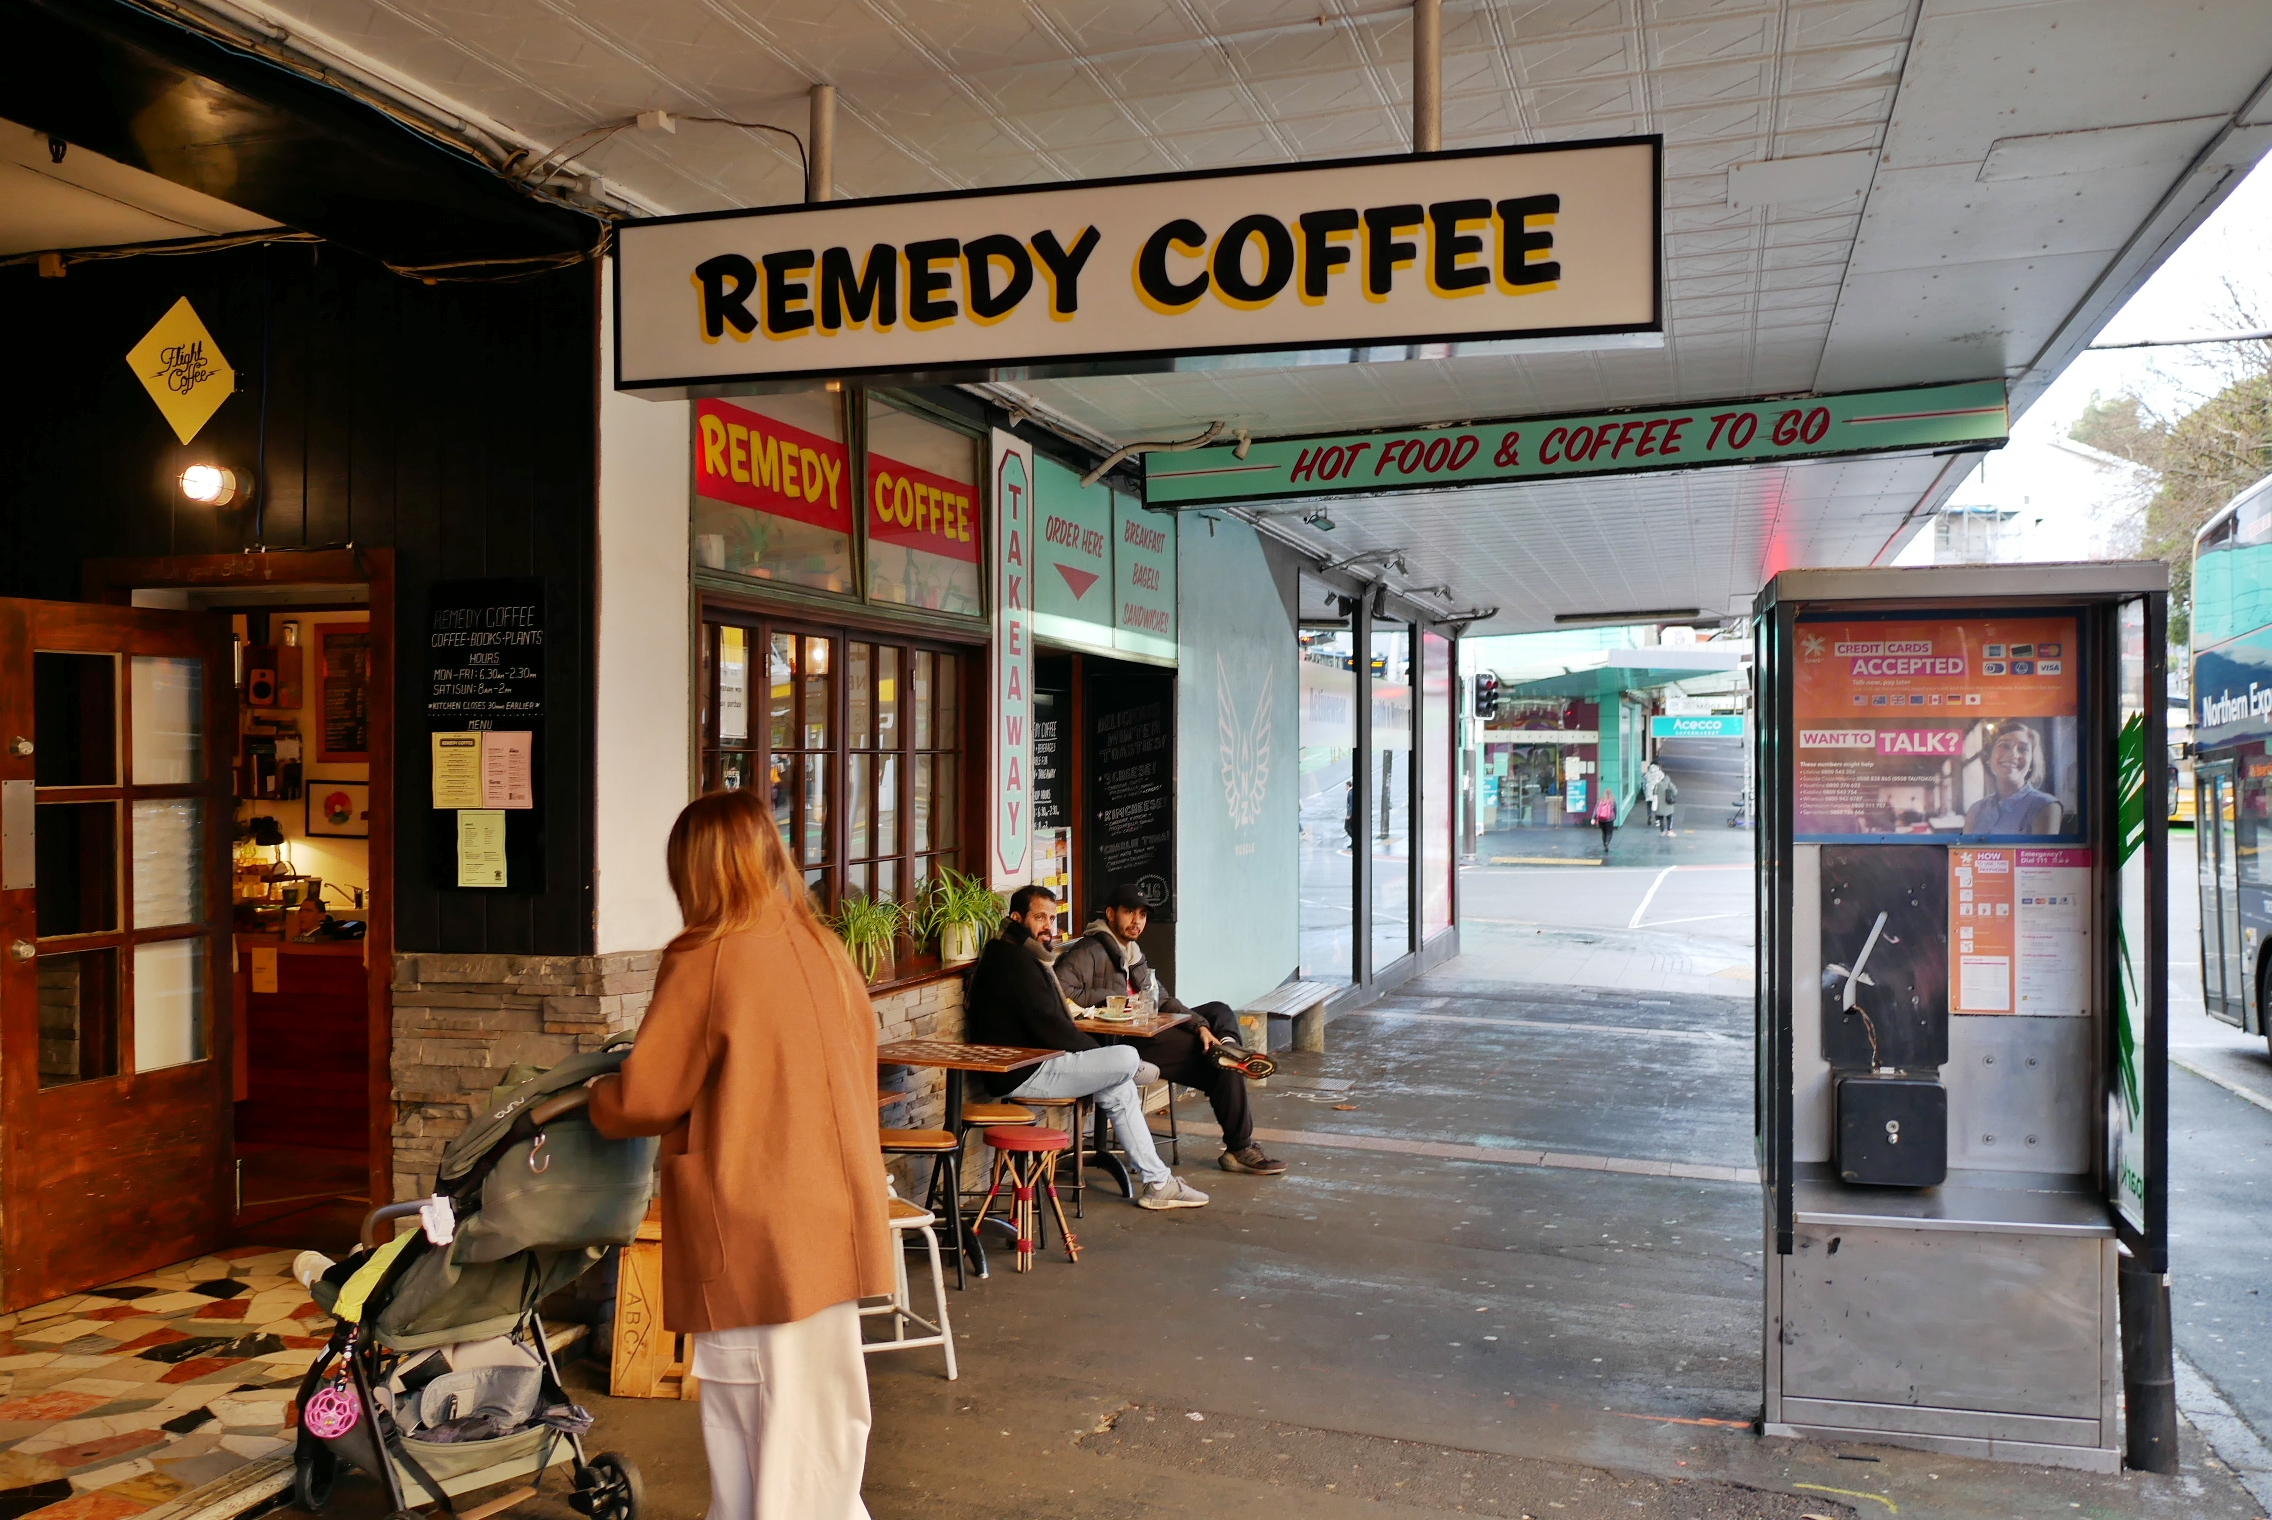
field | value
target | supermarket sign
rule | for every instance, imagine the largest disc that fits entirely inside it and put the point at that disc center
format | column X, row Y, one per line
column 1715, row 726
column 1971, row 414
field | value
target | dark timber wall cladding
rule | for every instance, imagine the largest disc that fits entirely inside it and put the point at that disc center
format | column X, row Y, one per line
column 455, row 423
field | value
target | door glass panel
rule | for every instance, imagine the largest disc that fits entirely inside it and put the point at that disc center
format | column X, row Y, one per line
column 1391, row 789
column 733, row 688
column 1327, row 739
column 78, row 1017
column 919, row 805
column 919, row 696
column 169, row 873
column 819, row 705
column 77, row 850
column 169, row 720
column 858, row 694
column 859, row 790
column 169, row 1003
column 887, row 697
column 75, row 701
column 780, row 678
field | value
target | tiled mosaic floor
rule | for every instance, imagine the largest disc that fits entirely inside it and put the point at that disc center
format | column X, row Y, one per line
column 121, row 1400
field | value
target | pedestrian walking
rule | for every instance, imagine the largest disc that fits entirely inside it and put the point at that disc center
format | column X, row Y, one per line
column 1668, row 796
column 1605, row 819
column 754, row 1064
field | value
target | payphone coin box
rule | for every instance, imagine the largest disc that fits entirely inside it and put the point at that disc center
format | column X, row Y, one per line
column 1892, row 1131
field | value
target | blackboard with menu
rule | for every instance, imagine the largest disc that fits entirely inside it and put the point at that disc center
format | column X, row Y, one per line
column 485, row 658
column 1130, row 801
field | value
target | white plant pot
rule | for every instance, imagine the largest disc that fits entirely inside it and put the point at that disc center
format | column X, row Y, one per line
column 958, row 944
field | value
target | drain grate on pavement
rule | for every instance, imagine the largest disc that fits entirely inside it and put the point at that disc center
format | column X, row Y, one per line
column 1423, row 1476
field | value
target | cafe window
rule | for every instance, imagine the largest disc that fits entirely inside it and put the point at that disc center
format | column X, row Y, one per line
column 922, row 513
column 858, row 739
column 773, row 490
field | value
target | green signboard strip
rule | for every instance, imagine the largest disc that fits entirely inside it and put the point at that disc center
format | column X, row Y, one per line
column 1587, row 443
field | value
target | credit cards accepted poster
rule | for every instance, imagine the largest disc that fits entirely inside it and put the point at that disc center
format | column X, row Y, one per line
column 1959, row 727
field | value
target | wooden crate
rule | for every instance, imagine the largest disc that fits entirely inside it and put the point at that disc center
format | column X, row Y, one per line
column 650, row 1362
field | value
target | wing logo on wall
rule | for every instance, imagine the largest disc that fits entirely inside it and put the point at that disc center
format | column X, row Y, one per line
column 1245, row 749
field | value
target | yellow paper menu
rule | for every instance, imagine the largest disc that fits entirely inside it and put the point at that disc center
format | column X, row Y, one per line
column 481, row 847
column 457, row 770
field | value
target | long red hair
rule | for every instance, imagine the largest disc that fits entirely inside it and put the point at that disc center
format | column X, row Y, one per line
column 730, row 870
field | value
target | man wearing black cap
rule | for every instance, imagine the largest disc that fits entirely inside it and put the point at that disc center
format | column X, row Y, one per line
column 1106, row 961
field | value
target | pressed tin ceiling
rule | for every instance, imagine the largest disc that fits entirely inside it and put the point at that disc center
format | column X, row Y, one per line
column 2010, row 173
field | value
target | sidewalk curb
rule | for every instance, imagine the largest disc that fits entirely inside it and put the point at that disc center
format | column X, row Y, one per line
column 2245, row 1094
column 2233, row 1440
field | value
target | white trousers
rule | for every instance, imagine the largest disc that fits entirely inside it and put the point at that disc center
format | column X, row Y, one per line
column 785, row 1418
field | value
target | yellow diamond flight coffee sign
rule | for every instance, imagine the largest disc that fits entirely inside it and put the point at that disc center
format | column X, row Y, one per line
column 181, row 367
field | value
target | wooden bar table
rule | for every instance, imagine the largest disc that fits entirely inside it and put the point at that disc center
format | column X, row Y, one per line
column 957, row 1060
column 1142, row 1027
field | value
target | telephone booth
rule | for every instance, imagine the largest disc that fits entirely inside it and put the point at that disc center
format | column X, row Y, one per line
column 1962, row 1006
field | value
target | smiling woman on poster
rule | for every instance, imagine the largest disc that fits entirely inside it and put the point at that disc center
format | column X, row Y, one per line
column 2019, row 805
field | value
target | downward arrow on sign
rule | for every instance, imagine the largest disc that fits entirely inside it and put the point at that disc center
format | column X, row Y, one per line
column 1079, row 580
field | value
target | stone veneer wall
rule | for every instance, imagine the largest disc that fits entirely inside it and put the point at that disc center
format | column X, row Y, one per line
column 460, row 1020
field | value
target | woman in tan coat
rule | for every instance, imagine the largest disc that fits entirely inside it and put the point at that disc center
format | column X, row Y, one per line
column 755, row 1064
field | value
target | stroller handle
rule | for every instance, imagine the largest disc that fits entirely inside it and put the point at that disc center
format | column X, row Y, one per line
column 558, row 1105
column 379, row 1217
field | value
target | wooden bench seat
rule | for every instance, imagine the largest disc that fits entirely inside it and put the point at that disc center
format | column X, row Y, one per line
column 1300, row 1004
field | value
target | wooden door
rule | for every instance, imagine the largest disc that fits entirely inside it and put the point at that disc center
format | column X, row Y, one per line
column 116, row 816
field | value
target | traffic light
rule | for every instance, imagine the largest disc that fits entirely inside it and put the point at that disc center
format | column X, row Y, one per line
column 1486, row 696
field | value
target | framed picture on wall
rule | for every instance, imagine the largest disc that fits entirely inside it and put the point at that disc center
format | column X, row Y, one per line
column 343, row 715
column 339, row 809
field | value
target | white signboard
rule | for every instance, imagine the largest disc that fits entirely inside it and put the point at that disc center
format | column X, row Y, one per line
column 1484, row 244
column 1009, row 830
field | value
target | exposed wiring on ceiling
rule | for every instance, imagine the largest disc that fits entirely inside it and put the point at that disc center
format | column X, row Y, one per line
column 60, row 259
column 526, row 169
column 1214, row 430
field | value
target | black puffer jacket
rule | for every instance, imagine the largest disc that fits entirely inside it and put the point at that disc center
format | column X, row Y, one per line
column 1015, row 1001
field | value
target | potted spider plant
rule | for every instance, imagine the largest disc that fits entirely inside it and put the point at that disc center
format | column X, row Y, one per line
column 961, row 910
column 870, row 930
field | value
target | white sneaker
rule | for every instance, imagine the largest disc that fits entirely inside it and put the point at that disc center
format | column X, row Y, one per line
column 310, row 1265
column 1175, row 1193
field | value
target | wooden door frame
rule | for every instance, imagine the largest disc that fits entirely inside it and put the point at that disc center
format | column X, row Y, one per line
column 114, row 581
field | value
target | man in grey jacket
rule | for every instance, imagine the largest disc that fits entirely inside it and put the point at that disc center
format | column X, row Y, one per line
column 1107, row 961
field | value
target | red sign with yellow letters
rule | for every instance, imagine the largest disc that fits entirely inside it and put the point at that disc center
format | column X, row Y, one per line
column 771, row 466
column 912, row 507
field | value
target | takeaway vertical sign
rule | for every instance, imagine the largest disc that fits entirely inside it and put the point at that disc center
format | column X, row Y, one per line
column 1009, row 832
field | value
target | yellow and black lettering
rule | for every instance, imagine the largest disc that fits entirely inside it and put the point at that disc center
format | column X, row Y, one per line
column 1229, row 262
column 727, row 281
column 1063, row 266
column 1152, row 282
column 783, row 313
column 925, row 285
column 1320, row 254
column 987, row 304
column 872, row 296
column 1517, row 241
column 1385, row 253
column 1448, row 247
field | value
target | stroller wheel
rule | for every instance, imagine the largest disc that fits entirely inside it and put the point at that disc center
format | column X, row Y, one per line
column 312, row 1475
column 608, row 1488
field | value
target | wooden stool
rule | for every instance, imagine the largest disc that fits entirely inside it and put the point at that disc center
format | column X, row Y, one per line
column 945, row 1147
column 906, row 1219
column 1080, row 1109
column 1029, row 1154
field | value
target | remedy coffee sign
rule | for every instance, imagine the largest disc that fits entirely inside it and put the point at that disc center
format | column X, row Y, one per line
column 1495, row 243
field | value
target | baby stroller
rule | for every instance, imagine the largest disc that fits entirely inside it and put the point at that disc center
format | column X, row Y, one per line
column 438, row 1379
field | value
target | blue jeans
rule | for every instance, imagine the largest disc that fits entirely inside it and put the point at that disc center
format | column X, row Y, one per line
column 1107, row 1074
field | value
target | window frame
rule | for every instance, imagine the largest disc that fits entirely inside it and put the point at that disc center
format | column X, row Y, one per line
column 760, row 624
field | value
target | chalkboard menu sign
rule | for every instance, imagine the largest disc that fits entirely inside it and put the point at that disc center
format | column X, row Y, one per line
column 1131, row 784
column 485, row 648
column 1052, row 802
column 485, row 672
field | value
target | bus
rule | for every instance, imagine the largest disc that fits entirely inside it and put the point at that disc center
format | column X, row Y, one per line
column 2232, row 755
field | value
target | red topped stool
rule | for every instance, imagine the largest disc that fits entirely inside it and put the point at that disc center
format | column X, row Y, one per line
column 1029, row 1156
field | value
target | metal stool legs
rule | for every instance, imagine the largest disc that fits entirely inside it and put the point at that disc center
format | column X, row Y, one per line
column 946, row 1178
